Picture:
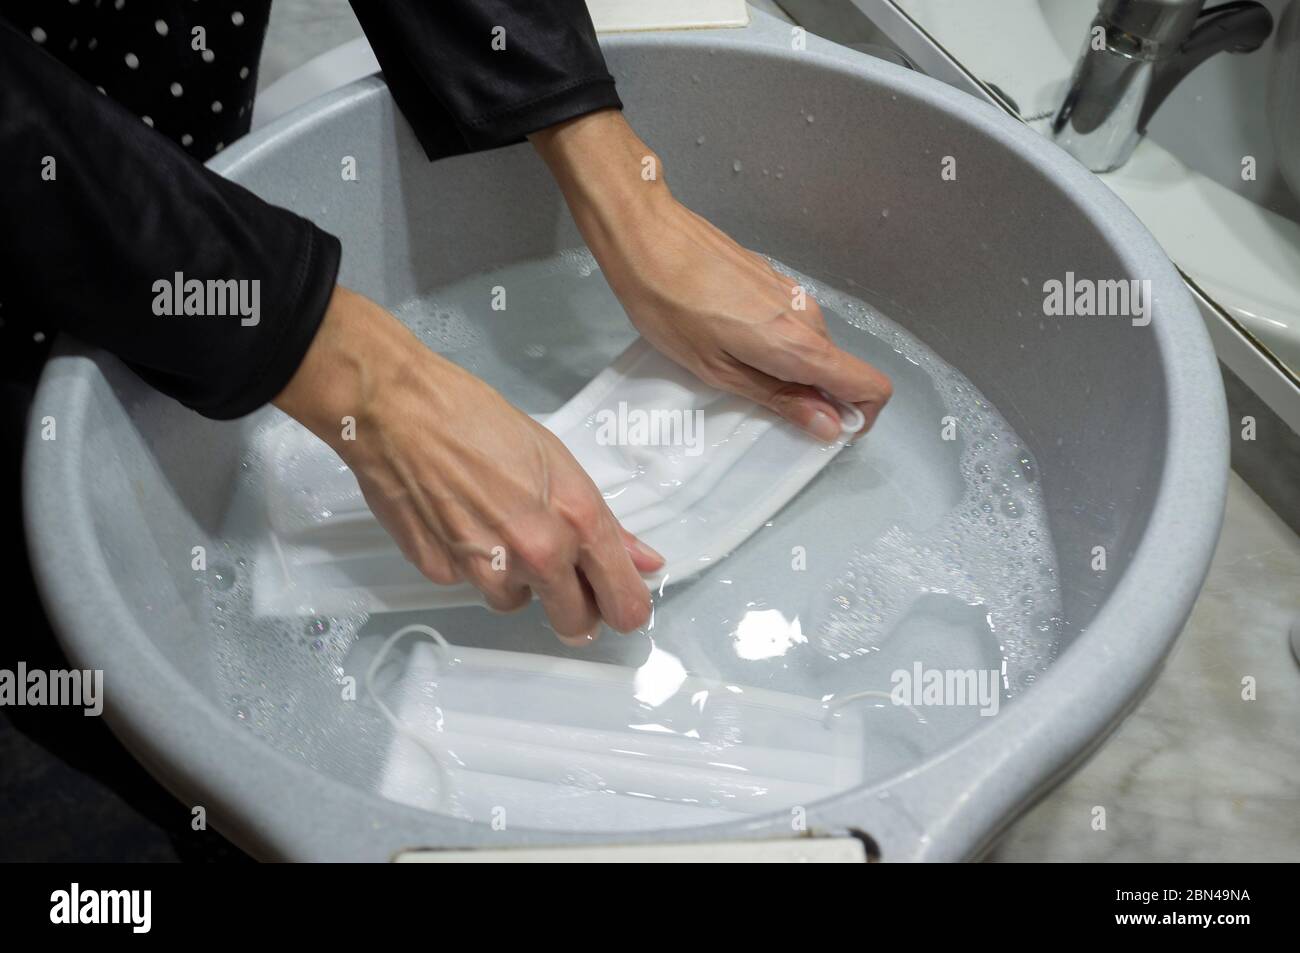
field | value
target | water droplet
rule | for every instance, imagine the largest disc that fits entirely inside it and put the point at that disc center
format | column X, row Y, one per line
column 221, row 576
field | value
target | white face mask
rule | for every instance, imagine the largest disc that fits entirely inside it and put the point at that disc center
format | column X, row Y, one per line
column 545, row 742
column 690, row 470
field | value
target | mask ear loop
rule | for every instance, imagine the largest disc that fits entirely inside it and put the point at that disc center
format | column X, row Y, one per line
column 398, row 725
column 854, row 696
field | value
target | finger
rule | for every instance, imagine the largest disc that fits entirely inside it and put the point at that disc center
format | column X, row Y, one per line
column 643, row 557
column 492, row 577
column 870, row 411
column 434, row 561
column 806, row 355
column 570, row 607
column 610, row 569
column 803, row 406
column 544, row 550
column 579, row 641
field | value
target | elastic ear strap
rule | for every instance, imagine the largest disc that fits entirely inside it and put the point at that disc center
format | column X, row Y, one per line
column 398, row 725
column 855, row 696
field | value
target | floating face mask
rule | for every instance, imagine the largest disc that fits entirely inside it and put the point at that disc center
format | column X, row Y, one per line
column 690, row 470
column 540, row 741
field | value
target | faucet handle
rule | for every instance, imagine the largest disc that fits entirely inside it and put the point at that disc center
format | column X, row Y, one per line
column 1240, row 26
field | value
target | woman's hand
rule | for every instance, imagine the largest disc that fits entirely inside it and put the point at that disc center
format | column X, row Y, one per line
column 717, row 309
column 470, row 488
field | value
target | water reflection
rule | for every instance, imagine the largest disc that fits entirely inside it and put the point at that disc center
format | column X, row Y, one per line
column 765, row 634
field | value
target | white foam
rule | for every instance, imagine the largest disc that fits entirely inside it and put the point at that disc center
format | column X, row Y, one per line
column 992, row 550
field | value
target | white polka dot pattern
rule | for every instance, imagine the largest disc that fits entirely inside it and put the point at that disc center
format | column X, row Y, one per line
column 186, row 68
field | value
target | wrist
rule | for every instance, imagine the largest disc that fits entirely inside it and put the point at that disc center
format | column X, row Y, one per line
column 604, row 169
column 356, row 348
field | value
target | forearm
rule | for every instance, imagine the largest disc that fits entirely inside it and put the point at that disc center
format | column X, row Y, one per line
column 598, row 160
column 361, row 359
column 612, row 181
column 360, row 350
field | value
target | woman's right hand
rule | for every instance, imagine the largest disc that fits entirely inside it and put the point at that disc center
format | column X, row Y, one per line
column 469, row 487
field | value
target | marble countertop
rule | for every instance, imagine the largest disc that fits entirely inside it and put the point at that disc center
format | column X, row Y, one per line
column 1198, row 772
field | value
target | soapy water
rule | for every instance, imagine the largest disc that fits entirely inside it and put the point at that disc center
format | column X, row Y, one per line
column 923, row 548
column 992, row 549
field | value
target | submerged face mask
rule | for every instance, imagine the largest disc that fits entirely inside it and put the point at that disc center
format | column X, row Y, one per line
column 690, row 470
column 539, row 741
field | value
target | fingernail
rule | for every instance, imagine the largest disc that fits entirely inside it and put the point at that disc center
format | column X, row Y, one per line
column 640, row 547
column 578, row 641
column 869, row 415
column 824, row 427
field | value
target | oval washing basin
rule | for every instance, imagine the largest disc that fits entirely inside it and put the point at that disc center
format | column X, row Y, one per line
column 831, row 162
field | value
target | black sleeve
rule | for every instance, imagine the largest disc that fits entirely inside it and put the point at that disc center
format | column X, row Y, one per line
column 96, row 208
column 477, row 74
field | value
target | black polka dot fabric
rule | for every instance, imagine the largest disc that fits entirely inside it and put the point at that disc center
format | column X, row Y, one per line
column 98, row 208
column 188, row 68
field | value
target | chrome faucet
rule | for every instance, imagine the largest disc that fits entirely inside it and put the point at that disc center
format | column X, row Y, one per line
column 1137, row 52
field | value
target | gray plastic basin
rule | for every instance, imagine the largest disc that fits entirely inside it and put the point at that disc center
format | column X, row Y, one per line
column 1127, row 423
